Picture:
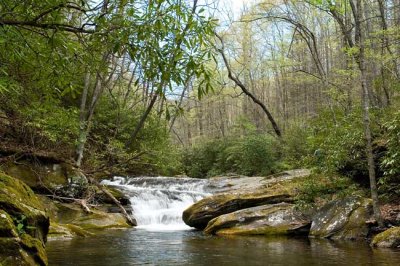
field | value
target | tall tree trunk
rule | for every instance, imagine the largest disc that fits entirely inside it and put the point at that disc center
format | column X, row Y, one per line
column 82, row 122
column 357, row 8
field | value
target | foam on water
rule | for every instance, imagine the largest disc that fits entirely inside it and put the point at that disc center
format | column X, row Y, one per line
column 158, row 202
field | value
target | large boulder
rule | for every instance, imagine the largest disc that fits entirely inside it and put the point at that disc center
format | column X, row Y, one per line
column 387, row 239
column 277, row 219
column 48, row 177
column 270, row 191
column 23, row 224
column 343, row 219
column 69, row 220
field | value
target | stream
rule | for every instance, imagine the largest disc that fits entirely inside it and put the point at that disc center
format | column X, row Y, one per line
column 161, row 237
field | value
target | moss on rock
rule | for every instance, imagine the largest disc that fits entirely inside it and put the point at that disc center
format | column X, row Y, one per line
column 70, row 220
column 387, row 239
column 277, row 219
column 23, row 224
column 343, row 219
column 200, row 213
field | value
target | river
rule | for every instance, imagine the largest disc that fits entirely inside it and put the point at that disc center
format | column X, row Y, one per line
column 161, row 237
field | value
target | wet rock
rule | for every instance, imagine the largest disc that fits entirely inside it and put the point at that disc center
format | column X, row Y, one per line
column 343, row 219
column 66, row 231
column 277, row 219
column 387, row 239
column 23, row 224
column 237, row 192
column 200, row 213
column 61, row 179
column 70, row 220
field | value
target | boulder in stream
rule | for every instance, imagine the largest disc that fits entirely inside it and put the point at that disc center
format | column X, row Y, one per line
column 262, row 191
column 276, row 219
column 387, row 239
column 343, row 219
column 69, row 220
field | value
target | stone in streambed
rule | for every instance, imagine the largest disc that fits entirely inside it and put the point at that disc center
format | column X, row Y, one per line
column 343, row 219
column 387, row 239
column 276, row 219
column 200, row 213
column 270, row 192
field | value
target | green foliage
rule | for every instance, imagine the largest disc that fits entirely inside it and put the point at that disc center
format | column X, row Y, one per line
column 112, row 127
column 21, row 224
column 249, row 155
column 253, row 155
column 319, row 188
column 295, row 147
column 43, row 69
column 337, row 144
column 389, row 185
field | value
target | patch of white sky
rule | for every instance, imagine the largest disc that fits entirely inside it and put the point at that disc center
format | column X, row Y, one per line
column 226, row 11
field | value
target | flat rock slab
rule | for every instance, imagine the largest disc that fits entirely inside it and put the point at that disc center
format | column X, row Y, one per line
column 277, row 219
column 229, row 184
column 343, row 219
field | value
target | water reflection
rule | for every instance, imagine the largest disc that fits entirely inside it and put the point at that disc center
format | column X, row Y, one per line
column 140, row 247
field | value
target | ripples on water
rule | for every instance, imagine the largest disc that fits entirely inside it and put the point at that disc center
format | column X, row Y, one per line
column 158, row 203
column 141, row 247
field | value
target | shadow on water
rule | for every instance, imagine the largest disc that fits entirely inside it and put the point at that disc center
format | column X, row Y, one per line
column 141, row 247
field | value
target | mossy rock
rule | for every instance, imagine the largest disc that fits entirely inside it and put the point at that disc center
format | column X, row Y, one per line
column 343, row 219
column 38, row 176
column 60, row 178
column 19, row 201
column 70, row 220
column 387, row 239
column 35, row 248
column 98, row 220
column 23, row 224
column 12, row 254
column 199, row 214
column 22, row 250
column 7, row 226
column 66, row 231
column 276, row 219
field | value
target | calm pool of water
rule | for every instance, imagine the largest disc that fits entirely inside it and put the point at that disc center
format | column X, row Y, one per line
column 141, row 247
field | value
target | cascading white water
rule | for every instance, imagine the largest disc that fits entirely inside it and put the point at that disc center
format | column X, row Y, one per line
column 158, row 202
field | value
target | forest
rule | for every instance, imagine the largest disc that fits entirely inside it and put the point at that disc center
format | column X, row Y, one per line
column 190, row 88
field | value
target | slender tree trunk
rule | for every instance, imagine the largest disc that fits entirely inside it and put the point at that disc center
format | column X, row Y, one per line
column 186, row 88
column 360, row 58
column 275, row 126
column 82, row 122
column 141, row 121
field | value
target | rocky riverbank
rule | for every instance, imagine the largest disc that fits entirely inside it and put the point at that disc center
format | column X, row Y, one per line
column 264, row 206
column 39, row 203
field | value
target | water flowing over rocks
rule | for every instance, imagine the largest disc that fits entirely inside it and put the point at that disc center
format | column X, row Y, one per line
column 275, row 219
column 158, row 202
column 343, row 219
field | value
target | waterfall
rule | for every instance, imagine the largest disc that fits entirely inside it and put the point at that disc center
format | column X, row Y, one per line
column 158, row 202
